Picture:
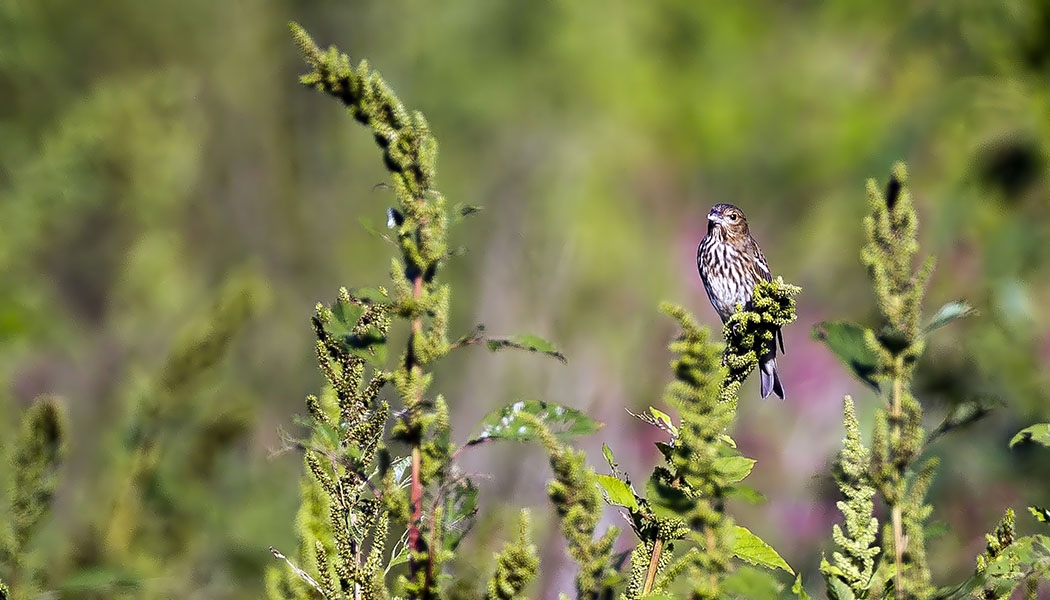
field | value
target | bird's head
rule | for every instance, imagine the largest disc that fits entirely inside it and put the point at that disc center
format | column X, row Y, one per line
column 727, row 220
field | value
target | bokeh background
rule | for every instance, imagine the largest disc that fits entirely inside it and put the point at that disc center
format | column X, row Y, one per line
column 155, row 156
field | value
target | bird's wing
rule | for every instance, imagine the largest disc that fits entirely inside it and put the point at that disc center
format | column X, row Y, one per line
column 760, row 260
column 763, row 269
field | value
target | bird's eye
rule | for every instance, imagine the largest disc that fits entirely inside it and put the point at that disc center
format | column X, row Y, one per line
column 732, row 217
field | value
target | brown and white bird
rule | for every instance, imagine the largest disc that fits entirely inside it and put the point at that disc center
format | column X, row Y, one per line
column 731, row 264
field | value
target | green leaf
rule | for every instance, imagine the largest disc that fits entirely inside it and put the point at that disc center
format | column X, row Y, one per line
column 745, row 493
column 507, row 423
column 1040, row 513
column 609, row 458
column 950, row 312
column 526, row 341
column 748, row 583
column 798, row 590
column 325, row 433
column 935, row 530
column 750, row 548
column 1002, row 574
column 667, row 502
column 98, row 579
column 838, row 590
column 618, row 492
column 1035, row 433
column 367, row 342
column 734, row 468
column 846, row 341
column 461, row 211
column 665, row 419
column 461, row 510
column 665, row 449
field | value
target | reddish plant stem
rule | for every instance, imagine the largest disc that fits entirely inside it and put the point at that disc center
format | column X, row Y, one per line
column 415, row 541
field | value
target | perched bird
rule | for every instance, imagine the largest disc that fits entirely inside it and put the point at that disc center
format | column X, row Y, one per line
column 730, row 264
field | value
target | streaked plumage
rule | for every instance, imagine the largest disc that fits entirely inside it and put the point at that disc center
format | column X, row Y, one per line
column 731, row 264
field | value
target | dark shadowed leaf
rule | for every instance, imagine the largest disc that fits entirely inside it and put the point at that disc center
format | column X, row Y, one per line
column 667, row 502
column 964, row 414
column 838, row 590
column 461, row 510
column 950, row 312
column 1035, row 433
column 665, row 449
column 507, row 423
column 618, row 492
column 750, row 548
column 526, row 341
column 368, row 342
column 846, row 341
column 462, row 211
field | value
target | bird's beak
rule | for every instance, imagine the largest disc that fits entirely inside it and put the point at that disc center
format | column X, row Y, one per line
column 711, row 216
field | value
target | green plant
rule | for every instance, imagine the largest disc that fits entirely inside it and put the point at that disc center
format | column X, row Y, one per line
column 355, row 483
column 36, row 457
column 885, row 358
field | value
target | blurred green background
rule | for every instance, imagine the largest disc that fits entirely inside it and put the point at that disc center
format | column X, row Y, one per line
column 159, row 162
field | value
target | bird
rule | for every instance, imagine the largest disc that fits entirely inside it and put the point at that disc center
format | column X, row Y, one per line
column 731, row 264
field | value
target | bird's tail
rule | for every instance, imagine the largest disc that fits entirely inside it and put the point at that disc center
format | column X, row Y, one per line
column 770, row 377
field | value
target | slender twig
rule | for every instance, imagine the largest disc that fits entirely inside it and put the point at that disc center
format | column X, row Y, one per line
column 896, row 515
column 301, row 573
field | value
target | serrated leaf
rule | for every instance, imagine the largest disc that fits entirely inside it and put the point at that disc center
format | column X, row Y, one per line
column 838, row 590
column 507, row 423
column 950, row 312
column 798, row 589
column 526, row 341
column 618, row 492
column 461, row 509
column 750, row 548
column 728, row 440
column 1040, row 513
column 667, row 502
column 1034, row 433
column 400, row 468
column 734, row 468
column 846, row 341
column 665, row 419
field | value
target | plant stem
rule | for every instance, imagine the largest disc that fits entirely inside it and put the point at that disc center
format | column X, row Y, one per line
column 654, row 563
column 896, row 515
column 415, row 541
